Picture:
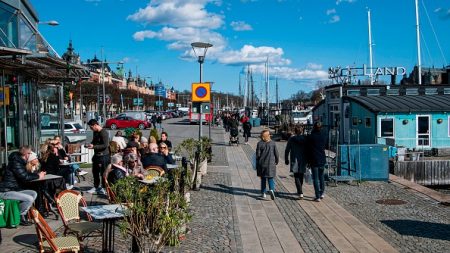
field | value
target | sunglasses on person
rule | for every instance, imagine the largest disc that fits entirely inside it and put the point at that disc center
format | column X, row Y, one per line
column 163, row 147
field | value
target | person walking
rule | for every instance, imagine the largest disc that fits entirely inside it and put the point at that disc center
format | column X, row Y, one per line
column 247, row 129
column 266, row 162
column 14, row 179
column 101, row 158
column 159, row 121
column 294, row 155
column 154, row 119
column 316, row 143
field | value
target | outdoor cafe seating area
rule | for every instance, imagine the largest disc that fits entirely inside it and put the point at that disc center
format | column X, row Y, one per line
column 80, row 219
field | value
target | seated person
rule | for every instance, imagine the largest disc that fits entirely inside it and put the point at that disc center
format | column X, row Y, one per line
column 132, row 163
column 50, row 163
column 154, row 158
column 14, row 179
column 117, row 170
column 134, row 142
column 165, row 140
column 120, row 140
column 164, row 151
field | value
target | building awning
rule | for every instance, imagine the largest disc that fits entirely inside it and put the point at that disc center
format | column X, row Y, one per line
column 44, row 68
column 406, row 103
column 9, row 51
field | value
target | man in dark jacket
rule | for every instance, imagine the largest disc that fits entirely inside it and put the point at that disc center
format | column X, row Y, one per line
column 16, row 175
column 101, row 158
column 294, row 155
column 316, row 147
column 154, row 158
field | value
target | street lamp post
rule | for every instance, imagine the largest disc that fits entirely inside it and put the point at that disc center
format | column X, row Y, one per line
column 199, row 49
column 200, row 53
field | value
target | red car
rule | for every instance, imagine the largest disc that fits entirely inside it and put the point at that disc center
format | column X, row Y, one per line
column 126, row 121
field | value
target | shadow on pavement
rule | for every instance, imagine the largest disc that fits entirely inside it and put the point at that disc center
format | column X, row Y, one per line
column 27, row 240
column 256, row 194
column 423, row 229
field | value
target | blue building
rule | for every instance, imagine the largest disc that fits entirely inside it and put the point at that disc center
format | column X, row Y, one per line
column 411, row 121
column 412, row 116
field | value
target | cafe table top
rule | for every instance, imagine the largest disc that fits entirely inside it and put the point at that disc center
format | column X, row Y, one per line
column 47, row 177
column 101, row 212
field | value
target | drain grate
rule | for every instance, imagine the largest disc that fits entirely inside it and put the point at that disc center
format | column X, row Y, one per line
column 391, row 202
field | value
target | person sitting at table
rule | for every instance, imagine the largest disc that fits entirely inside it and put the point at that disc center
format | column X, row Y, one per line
column 132, row 163
column 14, row 179
column 154, row 158
column 33, row 163
column 50, row 163
column 117, row 170
column 164, row 151
column 134, row 141
column 165, row 140
column 64, row 158
column 120, row 140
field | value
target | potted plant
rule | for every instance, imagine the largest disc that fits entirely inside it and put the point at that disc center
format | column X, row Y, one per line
column 205, row 154
column 189, row 148
column 154, row 133
column 154, row 215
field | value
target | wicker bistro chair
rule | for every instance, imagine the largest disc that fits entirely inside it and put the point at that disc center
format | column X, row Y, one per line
column 48, row 241
column 109, row 192
column 68, row 203
column 155, row 171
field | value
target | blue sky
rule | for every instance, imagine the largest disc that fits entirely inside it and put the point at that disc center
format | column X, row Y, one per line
column 301, row 38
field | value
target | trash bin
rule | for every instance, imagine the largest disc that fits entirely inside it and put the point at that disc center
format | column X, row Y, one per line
column 256, row 122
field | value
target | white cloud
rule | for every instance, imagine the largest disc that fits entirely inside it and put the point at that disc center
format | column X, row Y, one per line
column 313, row 66
column 181, row 22
column 240, row 26
column 443, row 13
column 292, row 74
column 331, row 11
column 179, row 13
column 334, row 19
column 344, row 1
column 253, row 55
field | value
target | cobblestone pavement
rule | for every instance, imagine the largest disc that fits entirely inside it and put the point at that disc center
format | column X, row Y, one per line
column 213, row 226
column 303, row 227
column 420, row 225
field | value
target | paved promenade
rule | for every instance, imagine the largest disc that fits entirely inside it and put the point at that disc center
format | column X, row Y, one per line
column 229, row 215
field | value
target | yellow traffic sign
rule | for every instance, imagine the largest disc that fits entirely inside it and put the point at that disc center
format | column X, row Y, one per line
column 201, row 92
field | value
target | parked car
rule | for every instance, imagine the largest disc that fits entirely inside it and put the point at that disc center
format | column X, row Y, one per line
column 73, row 131
column 134, row 114
column 122, row 121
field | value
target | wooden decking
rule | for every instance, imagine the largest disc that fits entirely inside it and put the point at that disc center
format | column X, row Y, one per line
column 263, row 229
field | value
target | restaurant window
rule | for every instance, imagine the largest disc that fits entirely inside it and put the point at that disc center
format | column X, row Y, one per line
column 392, row 92
column 354, row 121
column 412, row 91
column 8, row 26
column 368, row 122
column 387, row 127
column 373, row 92
column 431, row 91
column 353, row 93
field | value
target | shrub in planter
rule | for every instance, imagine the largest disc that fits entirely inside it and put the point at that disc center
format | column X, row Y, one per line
column 154, row 215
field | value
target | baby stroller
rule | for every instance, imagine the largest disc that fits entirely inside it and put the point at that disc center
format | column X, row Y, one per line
column 234, row 138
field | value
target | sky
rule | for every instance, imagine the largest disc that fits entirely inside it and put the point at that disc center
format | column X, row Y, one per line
column 300, row 38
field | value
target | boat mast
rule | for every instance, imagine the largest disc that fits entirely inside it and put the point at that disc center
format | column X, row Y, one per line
column 370, row 48
column 419, row 64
